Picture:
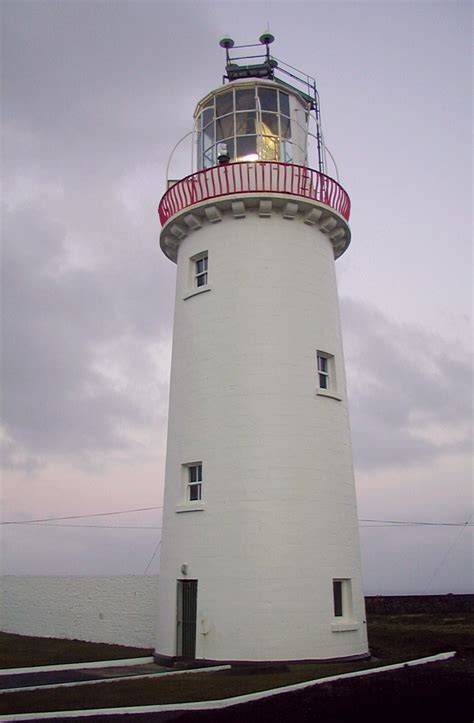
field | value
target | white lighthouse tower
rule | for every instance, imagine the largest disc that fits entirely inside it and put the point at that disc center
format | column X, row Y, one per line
column 260, row 554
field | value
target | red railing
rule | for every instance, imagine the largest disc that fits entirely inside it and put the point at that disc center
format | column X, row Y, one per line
column 259, row 177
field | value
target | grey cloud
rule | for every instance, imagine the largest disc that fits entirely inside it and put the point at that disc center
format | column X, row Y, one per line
column 76, row 87
column 57, row 399
column 401, row 378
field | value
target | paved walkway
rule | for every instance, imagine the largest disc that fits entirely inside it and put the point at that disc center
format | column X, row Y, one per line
column 78, row 675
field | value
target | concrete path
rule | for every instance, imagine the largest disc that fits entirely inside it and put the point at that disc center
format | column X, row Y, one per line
column 78, row 675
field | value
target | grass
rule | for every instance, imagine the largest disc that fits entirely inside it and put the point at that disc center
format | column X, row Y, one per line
column 393, row 638
column 22, row 651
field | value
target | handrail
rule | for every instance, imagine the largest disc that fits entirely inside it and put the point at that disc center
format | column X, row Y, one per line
column 254, row 177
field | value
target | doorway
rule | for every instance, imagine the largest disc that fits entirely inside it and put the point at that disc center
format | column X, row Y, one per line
column 186, row 619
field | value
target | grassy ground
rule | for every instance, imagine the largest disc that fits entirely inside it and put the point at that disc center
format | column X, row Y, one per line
column 438, row 693
column 393, row 638
column 22, row 651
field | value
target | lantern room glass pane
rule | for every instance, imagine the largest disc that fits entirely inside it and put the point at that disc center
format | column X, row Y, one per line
column 286, row 152
column 245, row 123
column 230, row 147
column 207, row 116
column 285, row 127
column 268, row 99
column 270, row 124
column 245, row 99
column 224, row 103
column 284, row 103
column 208, row 136
column 224, row 127
column 268, row 148
column 208, row 157
column 246, row 146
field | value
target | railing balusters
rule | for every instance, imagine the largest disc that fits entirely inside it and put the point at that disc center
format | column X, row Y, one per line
column 236, row 178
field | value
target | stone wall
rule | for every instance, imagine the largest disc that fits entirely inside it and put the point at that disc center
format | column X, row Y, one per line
column 119, row 609
column 418, row 604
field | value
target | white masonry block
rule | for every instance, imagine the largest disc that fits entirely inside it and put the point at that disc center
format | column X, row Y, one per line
column 178, row 232
column 213, row 214
column 312, row 216
column 265, row 208
column 290, row 210
column 327, row 224
column 238, row 209
column 192, row 221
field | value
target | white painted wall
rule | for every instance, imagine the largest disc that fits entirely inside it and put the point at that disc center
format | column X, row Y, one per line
column 119, row 609
column 278, row 521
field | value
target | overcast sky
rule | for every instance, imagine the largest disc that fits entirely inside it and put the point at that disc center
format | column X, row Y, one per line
column 94, row 97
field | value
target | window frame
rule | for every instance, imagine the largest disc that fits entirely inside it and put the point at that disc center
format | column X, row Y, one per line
column 326, row 370
column 323, row 364
column 343, row 619
column 194, row 470
column 342, row 599
column 195, row 274
column 185, row 503
column 198, row 275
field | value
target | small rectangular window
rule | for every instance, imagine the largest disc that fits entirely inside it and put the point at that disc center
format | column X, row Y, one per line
column 323, row 370
column 342, row 598
column 337, row 592
column 200, row 271
column 194, row 483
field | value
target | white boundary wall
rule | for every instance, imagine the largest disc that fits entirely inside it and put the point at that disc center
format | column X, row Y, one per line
column 119, row 609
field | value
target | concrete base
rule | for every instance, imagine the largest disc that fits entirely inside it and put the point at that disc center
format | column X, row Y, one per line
column 258, row 665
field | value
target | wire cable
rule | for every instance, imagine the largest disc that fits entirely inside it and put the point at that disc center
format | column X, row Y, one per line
column 153, row 556
column 407, row 523
column 96, row 527
column 445, row 557
column 78, row 517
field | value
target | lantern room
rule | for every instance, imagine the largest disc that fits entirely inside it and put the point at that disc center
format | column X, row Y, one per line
column 264, row 111
column 252, row 120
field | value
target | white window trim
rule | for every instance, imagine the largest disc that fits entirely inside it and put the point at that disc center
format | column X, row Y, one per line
column 345, row 622
column 186, row 504
column 195, row 274
column 195, row 292
column 193, row 289
column 328, row 393
column 190, row 507
column 344, row 627
column 331, row 391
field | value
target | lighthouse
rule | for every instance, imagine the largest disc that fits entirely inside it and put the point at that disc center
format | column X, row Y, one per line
column 260, row 555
